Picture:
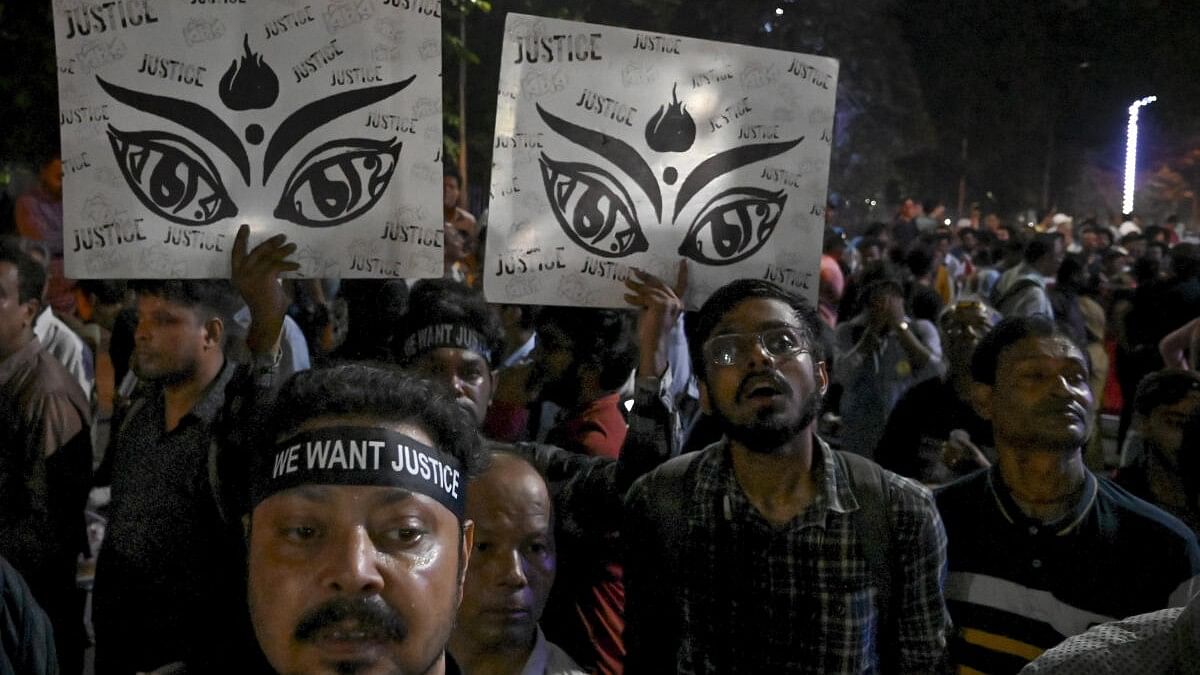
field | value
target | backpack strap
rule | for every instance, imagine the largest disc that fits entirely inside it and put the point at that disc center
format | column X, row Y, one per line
column 1013, row 291
column 873, row 520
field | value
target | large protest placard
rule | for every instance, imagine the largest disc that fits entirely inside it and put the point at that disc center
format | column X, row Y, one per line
column 619, row 148
column 182, row 119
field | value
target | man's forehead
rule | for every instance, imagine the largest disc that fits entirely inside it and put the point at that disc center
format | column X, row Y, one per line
column 1042, row 348
column 755, row 313
column 448, row 356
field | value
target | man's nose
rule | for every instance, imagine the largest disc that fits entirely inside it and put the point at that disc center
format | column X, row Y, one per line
column 513, row 574
column 351, row 565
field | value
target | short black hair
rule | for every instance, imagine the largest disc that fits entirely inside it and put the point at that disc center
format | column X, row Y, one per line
column 31, row 276
column 875, row 229
column 986, row 359
column 882, row 287
column 700, row 325
column 211, row 297
column 445, row 301
column 1185, row 260
column 386, row 394
column 604, row 337
column 1164, row 387
column 919, row 260
column 1040, row 246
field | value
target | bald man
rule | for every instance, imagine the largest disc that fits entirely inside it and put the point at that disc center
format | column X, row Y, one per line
column 508, row 582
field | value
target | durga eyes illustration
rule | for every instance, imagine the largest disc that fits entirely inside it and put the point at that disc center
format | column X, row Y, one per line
column 335, row 183
column 595, row 209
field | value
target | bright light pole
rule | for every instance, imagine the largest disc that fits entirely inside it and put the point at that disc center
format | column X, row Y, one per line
column 1131, row 141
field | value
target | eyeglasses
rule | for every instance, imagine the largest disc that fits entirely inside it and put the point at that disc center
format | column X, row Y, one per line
column 732, row 348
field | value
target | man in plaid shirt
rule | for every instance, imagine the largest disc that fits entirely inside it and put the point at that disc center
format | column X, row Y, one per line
column 762, row 553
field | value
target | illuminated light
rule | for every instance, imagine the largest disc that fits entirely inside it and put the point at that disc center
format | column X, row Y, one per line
column 778, row 11
column 947, row 221
column 1131, row 141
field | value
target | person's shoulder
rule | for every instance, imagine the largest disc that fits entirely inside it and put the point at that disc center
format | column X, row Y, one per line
column 670, row 474
column 1137, row 644
column 1136, row 513
column 965, row 490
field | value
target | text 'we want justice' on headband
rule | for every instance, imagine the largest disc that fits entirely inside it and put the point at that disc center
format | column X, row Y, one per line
column 366, row 456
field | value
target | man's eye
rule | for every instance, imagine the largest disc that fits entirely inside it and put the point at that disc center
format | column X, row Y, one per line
column 405, row 535
column 733, row 226
column 171, row 177
column 593, row 209
column 338, row 182
column 300, row 534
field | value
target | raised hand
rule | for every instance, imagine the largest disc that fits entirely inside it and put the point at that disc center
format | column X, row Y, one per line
column 256, row 276
column 660, row 307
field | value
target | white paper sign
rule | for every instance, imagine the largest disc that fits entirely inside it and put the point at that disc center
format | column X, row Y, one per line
column 618, row 148
column 182, row 119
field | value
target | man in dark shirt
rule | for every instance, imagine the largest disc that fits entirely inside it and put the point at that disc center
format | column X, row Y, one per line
column 933, row 434
column 169, row 573
column 1041, row 548
column 764, row 553
column 46, row 463
column 450, row 337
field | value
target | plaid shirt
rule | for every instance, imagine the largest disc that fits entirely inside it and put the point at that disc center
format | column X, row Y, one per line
column 755, row 598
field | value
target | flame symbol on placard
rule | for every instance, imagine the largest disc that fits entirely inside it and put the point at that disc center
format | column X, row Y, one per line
column 249, row 85
column 671, row 129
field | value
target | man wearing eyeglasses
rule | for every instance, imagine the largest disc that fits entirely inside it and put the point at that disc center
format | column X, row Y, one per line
column 768, row 552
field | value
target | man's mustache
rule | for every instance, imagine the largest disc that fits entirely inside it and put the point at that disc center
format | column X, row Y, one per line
column 369, row 616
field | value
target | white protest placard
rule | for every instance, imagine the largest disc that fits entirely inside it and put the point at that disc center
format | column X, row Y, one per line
column 619, row 148
column 182, row 119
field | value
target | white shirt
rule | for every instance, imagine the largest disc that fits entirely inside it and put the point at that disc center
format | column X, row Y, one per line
column 548, row 658
column 67, row 347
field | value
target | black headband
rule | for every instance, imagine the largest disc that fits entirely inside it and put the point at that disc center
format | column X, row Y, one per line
column 360, row 456
column 456, row 335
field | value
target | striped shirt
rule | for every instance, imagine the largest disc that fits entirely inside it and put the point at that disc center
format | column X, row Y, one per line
column 1018, row 586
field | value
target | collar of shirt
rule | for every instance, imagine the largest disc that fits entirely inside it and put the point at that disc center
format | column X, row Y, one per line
column 538, row 658
column 211, row 401
column 520, row 353
column 833, row 494
column 19, row 361
column 1013, row 513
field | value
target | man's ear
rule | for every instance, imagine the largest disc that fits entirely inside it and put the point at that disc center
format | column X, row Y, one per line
column 32, row 308
column 706, row 405
column 214, row 330
column 468, row 545
column 981, row 400
column 821, row 373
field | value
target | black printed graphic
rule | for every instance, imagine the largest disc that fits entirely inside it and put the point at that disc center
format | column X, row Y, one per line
column 338, row 181
column 174, row 178
column 595, row 209
column 249, row 84
column 671, row 129
column 171, row 177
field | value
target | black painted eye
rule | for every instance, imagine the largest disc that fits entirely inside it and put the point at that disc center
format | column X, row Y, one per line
column 171, row 176
column 733, row 226
column 593, row 209
column 338, row 181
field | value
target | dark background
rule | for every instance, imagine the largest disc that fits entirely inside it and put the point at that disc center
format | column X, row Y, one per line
column 1035, row 91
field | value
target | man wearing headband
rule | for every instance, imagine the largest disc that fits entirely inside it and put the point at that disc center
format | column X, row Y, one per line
column 357, row 538
column 585, row 612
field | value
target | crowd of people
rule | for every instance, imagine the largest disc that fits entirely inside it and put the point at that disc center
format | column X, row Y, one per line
column 265, row 474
